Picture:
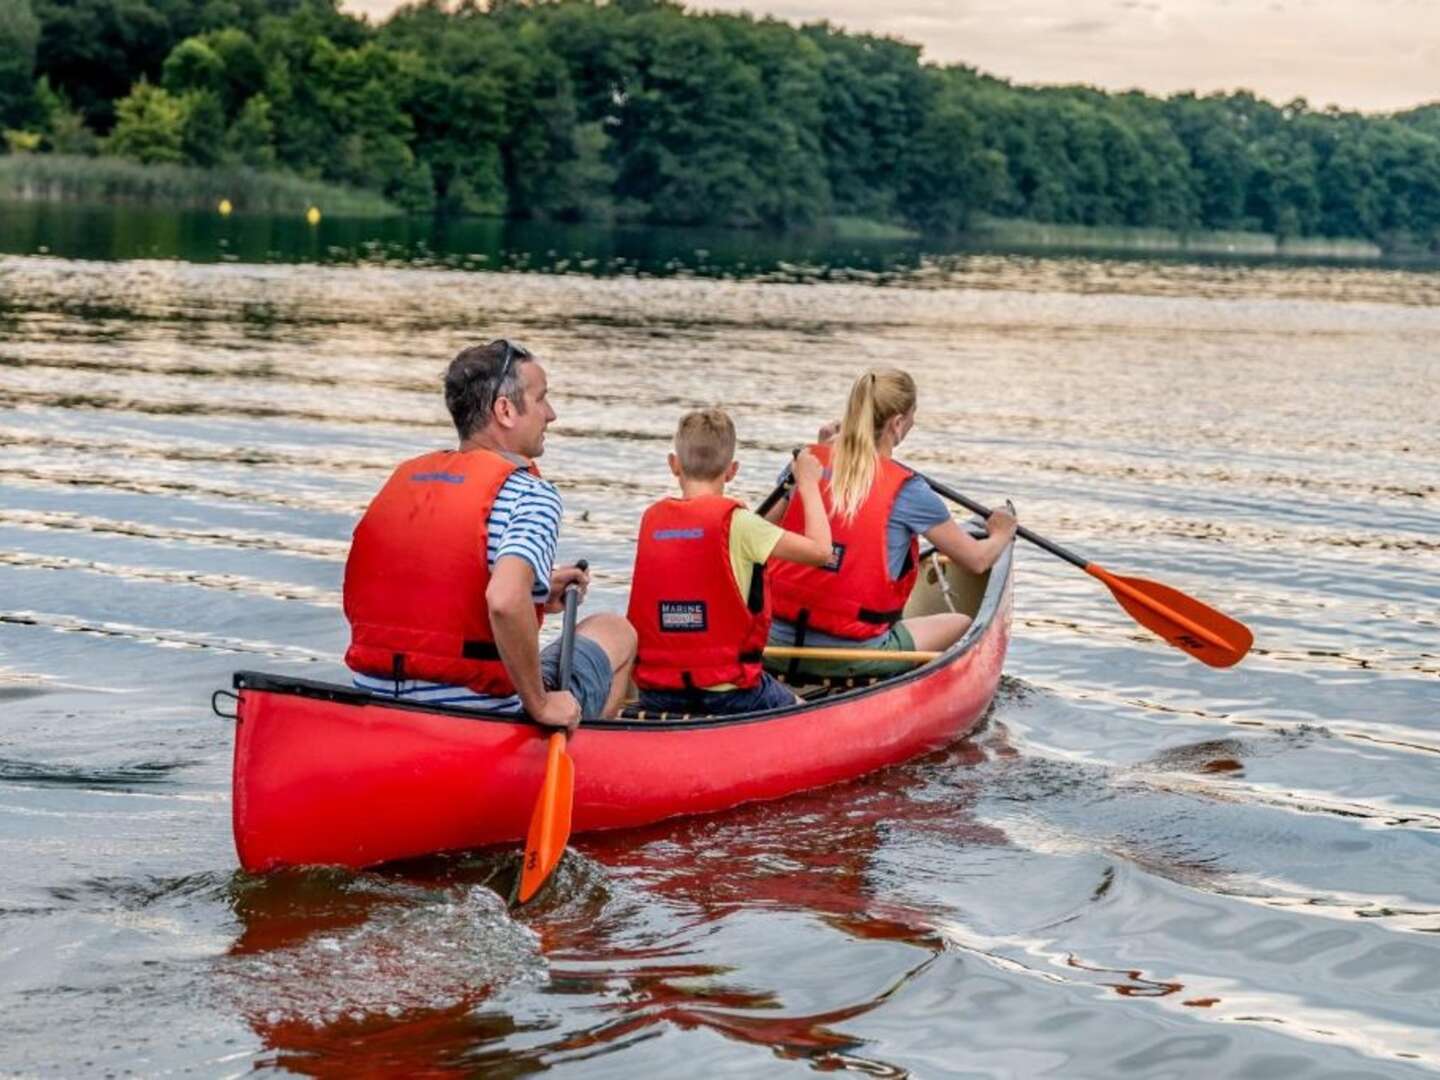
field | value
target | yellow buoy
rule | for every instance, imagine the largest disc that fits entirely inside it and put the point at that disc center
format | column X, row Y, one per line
column 225, row 208
column 313, row 215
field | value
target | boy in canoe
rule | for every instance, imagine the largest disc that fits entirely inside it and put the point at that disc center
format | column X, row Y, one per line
column 698, row 598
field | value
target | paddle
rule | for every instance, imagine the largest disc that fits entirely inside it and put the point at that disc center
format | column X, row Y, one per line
column 550, row 821
column 1208, row 635
column 787, row 481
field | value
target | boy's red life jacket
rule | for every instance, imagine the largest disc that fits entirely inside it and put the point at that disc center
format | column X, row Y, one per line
column 416, row 577
column 695, row 628
column 852, row 596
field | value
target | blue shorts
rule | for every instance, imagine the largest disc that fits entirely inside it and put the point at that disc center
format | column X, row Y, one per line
column 768, row 693
column 590, row 674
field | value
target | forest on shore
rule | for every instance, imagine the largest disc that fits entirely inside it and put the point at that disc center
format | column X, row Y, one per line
column 640, row 110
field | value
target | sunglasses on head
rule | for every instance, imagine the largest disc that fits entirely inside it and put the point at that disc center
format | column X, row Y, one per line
column 512, row 353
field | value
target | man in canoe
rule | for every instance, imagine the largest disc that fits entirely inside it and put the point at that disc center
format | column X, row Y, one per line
column 878, row 509
column 698, row 597
column 451, row 569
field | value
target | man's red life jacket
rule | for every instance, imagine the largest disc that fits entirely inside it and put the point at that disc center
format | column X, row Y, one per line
column 852, row 596
column 417, row 572
column 695, row 628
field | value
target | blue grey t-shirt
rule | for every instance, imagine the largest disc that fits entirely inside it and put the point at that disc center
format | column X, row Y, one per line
column 917, row 510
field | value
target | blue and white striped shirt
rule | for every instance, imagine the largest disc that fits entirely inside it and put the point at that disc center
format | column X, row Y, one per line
column 524, row 523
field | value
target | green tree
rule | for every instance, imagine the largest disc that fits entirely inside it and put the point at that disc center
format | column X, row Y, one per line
column 454, row 92
column 947, row 173
column 874, row 96
column 1283, row 196
column 149, row 126
column 243, row 67
column 193, row 65
column 251, row 138
column 697, row 135
column 19, row 37
column 96, row 50
column 202, row 133
column 64, row 127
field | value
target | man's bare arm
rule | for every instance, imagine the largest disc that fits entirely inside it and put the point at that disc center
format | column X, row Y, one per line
column 517, row 636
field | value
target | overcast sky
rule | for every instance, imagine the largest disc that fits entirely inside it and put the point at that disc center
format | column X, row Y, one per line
column 1360, row 54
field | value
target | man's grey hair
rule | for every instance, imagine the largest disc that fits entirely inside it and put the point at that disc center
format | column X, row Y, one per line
column 473, row 383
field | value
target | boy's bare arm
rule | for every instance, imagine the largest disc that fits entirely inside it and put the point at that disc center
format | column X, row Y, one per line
column 813, row 548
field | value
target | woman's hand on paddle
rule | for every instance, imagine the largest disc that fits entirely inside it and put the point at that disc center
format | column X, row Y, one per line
column 560, row 577
column 559, row 710
column 1002, row 522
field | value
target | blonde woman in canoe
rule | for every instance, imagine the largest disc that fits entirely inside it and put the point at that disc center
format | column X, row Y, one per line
column 878, row 510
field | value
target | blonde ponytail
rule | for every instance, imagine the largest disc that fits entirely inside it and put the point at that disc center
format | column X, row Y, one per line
column 877, row 396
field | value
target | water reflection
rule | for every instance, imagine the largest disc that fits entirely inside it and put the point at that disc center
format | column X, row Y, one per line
column 473, row 244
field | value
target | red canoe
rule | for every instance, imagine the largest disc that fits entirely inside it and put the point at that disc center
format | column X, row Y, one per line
column 327, row 774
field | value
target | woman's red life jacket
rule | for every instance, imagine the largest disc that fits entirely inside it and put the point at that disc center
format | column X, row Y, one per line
column 852, row 596
column 417, row 572
column 695, row 628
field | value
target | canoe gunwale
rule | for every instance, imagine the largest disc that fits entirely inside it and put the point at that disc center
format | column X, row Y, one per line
column 999, row 584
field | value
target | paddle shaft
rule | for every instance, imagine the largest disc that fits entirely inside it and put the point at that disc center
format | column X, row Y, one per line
column 1020, row 531
column 567, row 631
column 787, row 481
column 970, row 504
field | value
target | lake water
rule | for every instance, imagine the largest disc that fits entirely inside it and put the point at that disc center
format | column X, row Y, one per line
column 1141, row 867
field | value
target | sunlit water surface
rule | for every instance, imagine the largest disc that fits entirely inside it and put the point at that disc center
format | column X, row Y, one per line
column 1140, row 867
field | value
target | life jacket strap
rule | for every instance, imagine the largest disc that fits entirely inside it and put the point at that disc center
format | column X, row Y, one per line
column 802, row 624
column 756, row 600
column 479, row 650
column 692, row 692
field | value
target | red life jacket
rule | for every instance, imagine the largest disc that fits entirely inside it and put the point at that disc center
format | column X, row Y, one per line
column 853, row 595
column 695, row 628
column 417, row 572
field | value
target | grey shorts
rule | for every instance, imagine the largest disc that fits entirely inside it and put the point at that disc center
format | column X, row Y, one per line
column 590, row 674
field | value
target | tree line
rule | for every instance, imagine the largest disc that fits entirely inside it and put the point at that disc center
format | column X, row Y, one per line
column 641, row 110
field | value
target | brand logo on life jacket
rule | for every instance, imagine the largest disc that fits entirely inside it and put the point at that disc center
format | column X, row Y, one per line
column 837, row 556
column 437, row 477
column 683, row 616
column 677, row 534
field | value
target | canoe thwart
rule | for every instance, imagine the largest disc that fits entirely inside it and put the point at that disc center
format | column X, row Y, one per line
column 806, row 652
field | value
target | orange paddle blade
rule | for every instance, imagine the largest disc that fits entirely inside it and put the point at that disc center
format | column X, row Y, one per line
column 1196, row 628
column 550, row 823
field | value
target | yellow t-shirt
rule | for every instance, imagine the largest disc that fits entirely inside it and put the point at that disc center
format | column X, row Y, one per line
column 752, row 539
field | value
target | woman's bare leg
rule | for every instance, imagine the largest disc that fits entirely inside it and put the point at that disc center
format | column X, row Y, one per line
column 935, row 632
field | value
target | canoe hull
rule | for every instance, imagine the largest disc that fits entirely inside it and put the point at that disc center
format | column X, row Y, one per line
column 337, row 779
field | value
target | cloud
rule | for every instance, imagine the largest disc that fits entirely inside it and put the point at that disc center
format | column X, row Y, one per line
column 1082, row 26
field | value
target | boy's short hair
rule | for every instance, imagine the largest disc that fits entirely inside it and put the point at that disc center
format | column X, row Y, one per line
column 705, row 443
